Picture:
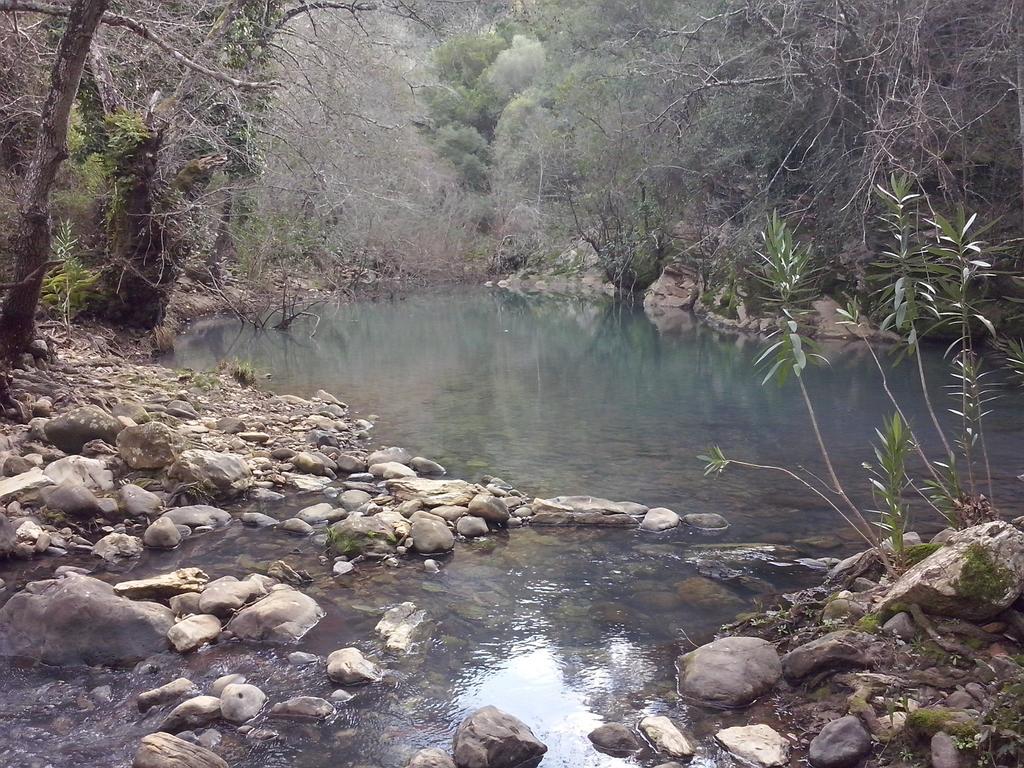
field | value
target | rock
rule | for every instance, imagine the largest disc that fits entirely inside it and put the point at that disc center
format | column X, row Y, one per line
column 342, row 568
column 426, row 466
column 837, row 650
column 706, row 521
column 599, row 519
column 79, row 620
column 659, row 519
column 431, row 535
column 71, row 498
column 944, row 752
column 902, row 626
column 257, row 520
column 588, row 505
column 196, row 712
column 193, row 632
column 92, row 473
column 181, row 409
column 398, row 626
column 223, row 596
column 164, row 586
column 297, row 526
column 282, row 616
column 729, row 672
column 489, row 508
column 305, row 707
column 362, row 536
column 433, row 493
column 149, row 446
column 757, row 744
column 840, row 744
column 224, row 681
column 431, row 566
column 352, row 500
column 471, row 527
column 72, row 430
column 449, row 513
column 198, row 516
column 223, row 474
column 163, row 750
column 165, row 694
column 185, row 603
column 385, row 455
column 117, row 547
column 391, row 470
column 349, row 464
column 135, row 501
column 309, row 463
column 975, row 576
column 301, row 659
column 348, row 666
column 490, row 738
column 665, row 737
column 26, row 482
column 14, row 465
column 240, row 702
column 614, row 738
column 162, row 534
column 430, row 758
column 320, row 513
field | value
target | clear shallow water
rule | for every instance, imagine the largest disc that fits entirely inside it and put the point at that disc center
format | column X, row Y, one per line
column 563, row 628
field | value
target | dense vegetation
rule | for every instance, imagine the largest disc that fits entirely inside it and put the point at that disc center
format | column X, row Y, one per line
column 226, row 139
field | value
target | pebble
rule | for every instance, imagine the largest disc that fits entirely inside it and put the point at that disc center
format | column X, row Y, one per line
column 431, row 566
column 300, row 658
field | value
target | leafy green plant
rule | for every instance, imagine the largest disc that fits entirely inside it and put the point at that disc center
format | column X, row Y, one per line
column 242, row 371
column 69, row 287
column 889, row 481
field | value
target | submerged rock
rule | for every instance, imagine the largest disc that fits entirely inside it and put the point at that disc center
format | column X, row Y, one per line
column 198, row 515
column 163, row 750
column 385, row 455
column 430, row 758
column 304, row 707
column 567, row 518
column 398, row 626
column 79, row 620
column 348, row 666
column 666, row 737
column 490, row 738
column 730, row 672
column 756, row 744
column 975, row 576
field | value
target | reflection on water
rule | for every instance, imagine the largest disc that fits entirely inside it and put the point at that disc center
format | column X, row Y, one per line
column 573, row 397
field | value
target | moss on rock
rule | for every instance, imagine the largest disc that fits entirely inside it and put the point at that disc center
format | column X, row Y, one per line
column 982, row 578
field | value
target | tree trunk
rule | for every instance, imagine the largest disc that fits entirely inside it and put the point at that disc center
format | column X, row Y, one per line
column 224, row 244
column 31, row 243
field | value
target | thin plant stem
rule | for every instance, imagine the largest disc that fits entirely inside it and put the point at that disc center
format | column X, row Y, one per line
column 928, row 403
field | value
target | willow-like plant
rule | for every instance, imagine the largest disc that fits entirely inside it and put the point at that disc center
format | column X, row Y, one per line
column 789, row 275
column 889, row 481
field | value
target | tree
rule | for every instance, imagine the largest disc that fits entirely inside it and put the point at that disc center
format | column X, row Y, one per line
column 31, row 243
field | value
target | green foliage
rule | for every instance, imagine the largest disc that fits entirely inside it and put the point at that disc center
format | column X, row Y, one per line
column 242, row 371
column 925, row 722
column 467, row 151
column 915, row 554
column 68, row 288
column 889, row 480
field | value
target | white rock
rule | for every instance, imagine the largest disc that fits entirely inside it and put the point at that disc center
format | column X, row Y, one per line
column 240, row 702
column 189, row 634
column 665, row 737
column 659, row 519
column 92, row 473
column 757, row 744
column 348, row 666
column 33, row 480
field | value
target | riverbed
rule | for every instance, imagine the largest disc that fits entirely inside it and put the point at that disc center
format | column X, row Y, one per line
column 563, row 628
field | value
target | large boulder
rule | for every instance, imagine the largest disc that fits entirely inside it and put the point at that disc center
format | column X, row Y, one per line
column 79, row 620
column 92, row 473
column 729, row 672
column 490, row 738
column 72, row 430
column 371, row 536
column 430, row 535
column 282, row 616
column 978, row 574
column 163, row 750
column 843, row 649
column 149, row 446
column 225, row 475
